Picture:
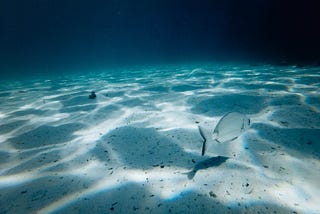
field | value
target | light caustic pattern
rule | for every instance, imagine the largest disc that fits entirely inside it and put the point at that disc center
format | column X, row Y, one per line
column 135, row 147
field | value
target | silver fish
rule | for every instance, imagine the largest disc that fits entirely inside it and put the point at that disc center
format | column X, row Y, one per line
column 229, row 128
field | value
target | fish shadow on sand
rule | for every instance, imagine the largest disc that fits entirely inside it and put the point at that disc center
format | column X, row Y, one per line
column 207, row 163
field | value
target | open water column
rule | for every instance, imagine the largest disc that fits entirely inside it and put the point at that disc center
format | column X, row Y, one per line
column 159, row 106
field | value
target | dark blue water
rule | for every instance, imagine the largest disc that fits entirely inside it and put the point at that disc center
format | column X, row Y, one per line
column 46, row 36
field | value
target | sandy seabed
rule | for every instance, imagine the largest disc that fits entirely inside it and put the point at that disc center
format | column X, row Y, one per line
column 136, row 148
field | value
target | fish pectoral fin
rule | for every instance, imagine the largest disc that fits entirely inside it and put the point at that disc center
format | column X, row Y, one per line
column 204, row 147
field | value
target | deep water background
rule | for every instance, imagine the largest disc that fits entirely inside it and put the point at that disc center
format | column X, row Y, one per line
column 65, row 35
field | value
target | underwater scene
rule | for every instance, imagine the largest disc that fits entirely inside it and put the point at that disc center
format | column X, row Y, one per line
column 136, row 147
column 159, row 107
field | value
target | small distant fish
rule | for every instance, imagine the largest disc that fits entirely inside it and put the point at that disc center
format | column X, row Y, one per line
column 229, row 128
column 92, row 95
column 207, row 163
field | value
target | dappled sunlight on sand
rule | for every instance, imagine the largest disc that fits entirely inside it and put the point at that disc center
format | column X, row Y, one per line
column 134, row 146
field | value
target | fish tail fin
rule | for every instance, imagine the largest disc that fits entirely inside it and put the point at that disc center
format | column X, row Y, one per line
column 204, row 147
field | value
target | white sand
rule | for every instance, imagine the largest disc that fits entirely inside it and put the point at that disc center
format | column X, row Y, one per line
column 133, row 148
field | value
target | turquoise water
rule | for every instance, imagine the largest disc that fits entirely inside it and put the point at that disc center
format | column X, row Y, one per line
column 132, row 148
